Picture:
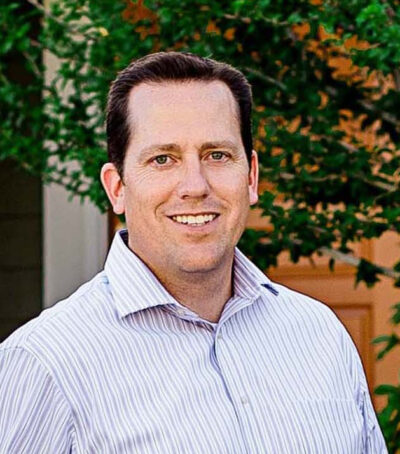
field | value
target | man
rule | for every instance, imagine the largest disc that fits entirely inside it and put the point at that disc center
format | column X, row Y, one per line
column 181, row 345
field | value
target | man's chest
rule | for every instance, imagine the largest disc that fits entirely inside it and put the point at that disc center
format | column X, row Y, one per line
column 218, row 392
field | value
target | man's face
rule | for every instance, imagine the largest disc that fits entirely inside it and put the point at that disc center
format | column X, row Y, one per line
column 186, row 188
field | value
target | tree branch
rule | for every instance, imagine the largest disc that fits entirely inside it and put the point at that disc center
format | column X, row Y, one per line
column 47, row 13
column 355, row 261
column 396, row 75
column 376, row 184
column 266, row 78
column 247, row 20
column 35, row 67
column 391, row 119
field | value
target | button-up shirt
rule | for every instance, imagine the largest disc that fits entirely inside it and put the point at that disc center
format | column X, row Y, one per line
column 122, row 367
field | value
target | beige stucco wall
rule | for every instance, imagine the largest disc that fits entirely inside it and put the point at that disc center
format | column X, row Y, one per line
column 74, row 235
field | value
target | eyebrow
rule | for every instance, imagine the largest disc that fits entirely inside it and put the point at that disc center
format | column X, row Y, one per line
column 219, row 144
column 173, row 147
column 166, row 147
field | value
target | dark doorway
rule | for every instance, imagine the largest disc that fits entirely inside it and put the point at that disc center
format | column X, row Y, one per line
column 20, row 215
column 20, row 247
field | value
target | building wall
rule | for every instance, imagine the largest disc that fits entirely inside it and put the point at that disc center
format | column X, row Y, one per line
column 75, row 243
column 75, row 235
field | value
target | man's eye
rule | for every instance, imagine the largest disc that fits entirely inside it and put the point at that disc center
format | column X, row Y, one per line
column 161, row 160
column 218, row 155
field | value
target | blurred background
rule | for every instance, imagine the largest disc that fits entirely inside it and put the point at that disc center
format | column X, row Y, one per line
column 326, row 82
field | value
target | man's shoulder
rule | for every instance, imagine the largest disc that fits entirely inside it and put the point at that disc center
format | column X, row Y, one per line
column 63, row 320
column 304, row 308
column 308, row 320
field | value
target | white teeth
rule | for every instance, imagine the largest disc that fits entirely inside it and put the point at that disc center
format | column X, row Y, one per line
column 194, row 220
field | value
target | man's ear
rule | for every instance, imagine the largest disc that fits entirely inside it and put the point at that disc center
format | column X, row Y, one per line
column 114, row 187
column 253, row 179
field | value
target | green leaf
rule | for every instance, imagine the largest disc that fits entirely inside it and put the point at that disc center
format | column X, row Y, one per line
column 391, row 341
column 387, row 389
column 367, row 272
column 396, row 316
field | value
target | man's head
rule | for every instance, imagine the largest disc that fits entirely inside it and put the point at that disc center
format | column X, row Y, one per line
column 187, row 179
column 168, row 67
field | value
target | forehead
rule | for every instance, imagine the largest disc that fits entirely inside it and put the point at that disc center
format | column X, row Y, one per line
column 182, row 104
column 176, row 92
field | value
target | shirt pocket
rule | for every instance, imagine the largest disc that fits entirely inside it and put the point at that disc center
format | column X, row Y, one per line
column 328, row 426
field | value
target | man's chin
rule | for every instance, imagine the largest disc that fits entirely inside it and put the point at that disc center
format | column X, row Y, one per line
column 201, row 262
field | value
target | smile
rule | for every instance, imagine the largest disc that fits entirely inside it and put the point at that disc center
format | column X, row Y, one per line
column 190, row 219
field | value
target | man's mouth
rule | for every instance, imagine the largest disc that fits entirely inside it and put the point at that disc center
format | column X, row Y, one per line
column 195, row 220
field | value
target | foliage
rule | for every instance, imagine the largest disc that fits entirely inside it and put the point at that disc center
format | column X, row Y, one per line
column 326, row 83
column 389, row 418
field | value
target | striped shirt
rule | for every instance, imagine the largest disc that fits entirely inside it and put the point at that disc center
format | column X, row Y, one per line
column 122, row 367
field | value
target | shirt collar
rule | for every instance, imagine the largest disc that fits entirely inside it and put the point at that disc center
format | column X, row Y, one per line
column 248, row 280
column 135, row 287
column 133, row 284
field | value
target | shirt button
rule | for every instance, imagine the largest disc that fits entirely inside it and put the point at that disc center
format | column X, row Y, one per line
column 244, row 400
column 181, row 311
column 219, row 336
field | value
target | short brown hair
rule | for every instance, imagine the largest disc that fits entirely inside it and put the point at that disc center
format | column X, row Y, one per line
column 171, row 66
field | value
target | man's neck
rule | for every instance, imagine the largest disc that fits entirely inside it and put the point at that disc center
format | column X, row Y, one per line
column 203, row 293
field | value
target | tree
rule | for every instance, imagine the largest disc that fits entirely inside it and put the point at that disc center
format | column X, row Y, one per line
column 326, row 83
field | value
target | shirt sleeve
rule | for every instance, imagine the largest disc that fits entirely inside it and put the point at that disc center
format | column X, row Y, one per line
column 373, row 441
column 34, row 414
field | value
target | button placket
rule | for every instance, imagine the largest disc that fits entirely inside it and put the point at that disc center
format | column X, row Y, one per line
column 225, row 357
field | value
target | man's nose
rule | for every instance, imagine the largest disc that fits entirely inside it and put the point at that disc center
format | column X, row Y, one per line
column 193, row 182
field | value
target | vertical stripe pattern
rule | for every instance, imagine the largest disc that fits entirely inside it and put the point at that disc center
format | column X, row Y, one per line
column 122, row 367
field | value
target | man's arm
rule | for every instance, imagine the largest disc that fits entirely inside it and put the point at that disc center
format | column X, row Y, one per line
column 373, row 439
column 34, row 415
column 374, row 442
